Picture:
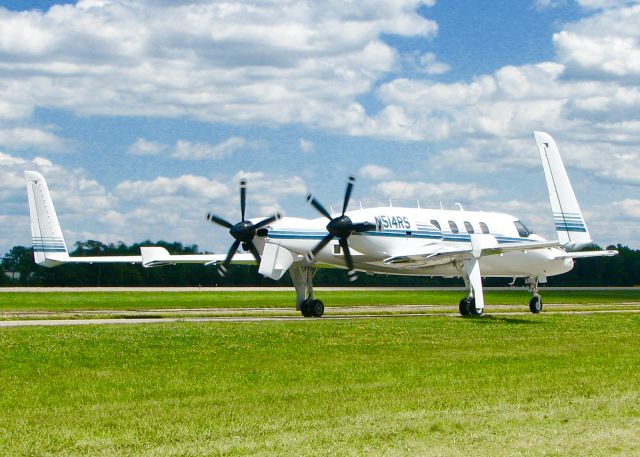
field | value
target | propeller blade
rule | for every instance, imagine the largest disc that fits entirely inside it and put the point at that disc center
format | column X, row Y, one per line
column 347, row 259
column 347, row 194
column 243, row 197
column 323, row 242
column 254, row 251
column 232, row 251
column 317, row 205
column 268, row 221
column 218, row 220
column 364, row 227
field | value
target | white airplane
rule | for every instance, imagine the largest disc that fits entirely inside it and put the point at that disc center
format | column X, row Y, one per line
column 384, row 240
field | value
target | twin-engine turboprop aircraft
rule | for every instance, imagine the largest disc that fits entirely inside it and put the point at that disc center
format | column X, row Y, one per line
column 384, row 240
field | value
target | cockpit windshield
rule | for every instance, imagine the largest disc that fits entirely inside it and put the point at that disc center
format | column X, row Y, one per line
column 523, row 231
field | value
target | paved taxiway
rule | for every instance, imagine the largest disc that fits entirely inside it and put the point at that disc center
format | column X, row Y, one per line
column 634, row 308
column 165, row 315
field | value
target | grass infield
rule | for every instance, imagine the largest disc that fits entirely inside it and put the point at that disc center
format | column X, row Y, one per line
column 503, row 385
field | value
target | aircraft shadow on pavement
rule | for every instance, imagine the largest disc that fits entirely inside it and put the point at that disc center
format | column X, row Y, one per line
column 489, row 319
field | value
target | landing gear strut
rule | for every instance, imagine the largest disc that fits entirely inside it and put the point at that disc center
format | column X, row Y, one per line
column 473, row 303
column 535, row 305
column 302, row 277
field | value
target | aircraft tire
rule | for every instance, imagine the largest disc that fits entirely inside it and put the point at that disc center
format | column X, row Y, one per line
column 317, row 308
column 306, row 309
column 473, row 311
column 535, row 305
column 465, row 306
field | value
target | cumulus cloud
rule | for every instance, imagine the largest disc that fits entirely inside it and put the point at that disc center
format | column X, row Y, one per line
column 143, row 147
column 187, row 150
column 505, row 104
column 30, row 138
column 431, row 191
column 243, row 61
column 425, row 63
column 267, row 191
column 375, row 172
column 603, row 45
column 187, row 186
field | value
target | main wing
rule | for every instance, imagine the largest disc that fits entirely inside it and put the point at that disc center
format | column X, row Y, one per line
column 150, row 256
column 481, row 245
column 587, row 254
column 154, row 256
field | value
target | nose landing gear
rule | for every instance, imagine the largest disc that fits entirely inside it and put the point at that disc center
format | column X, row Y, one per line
column 535, row 305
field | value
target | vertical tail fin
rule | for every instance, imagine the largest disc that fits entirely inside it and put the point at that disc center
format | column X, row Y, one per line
column 49, row 248
column 570, row 226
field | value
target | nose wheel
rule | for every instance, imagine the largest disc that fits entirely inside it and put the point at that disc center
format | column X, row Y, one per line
column 535, row 305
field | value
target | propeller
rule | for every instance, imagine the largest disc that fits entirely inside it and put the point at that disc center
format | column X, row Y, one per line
column 243, row 232
column 340, row 227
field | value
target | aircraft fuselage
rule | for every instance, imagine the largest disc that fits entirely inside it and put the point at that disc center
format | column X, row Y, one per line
column 410, row 230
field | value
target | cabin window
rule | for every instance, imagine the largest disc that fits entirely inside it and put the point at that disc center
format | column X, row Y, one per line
column 522, row 230
column 336, row 249
column 484, row 228
column 436, row 224
column 468, row 226
column 454, row 227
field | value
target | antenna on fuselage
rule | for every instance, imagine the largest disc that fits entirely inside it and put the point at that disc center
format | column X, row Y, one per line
column 459, row 206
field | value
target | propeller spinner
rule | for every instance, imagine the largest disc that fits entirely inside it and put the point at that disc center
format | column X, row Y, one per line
column 340, row 227
column 243, row 232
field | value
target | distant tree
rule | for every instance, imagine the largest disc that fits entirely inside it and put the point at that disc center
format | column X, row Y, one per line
column 621, row 270
column 19, row 260
column 4, row 279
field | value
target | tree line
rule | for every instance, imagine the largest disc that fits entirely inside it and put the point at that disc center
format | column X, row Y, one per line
column 17, row 268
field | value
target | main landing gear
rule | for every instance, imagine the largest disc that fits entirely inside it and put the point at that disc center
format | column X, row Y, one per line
column 473, row 303
column 312, row 308
column 302, row 277
column 467, row 307
column 535, row 304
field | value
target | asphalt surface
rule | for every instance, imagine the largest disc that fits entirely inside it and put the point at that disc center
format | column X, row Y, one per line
column 156, row 316
column 401, row 314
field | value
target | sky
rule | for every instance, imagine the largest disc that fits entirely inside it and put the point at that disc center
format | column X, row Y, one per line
column 144, row 115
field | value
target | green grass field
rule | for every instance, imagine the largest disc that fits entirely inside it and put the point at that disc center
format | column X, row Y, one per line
column 65, row 301
column 508, row 385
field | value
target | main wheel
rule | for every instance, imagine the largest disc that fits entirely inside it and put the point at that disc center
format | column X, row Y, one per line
column 535, row 305
column 306, row 308
column 475, row 311
column 465, row 306
column 317, row 308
